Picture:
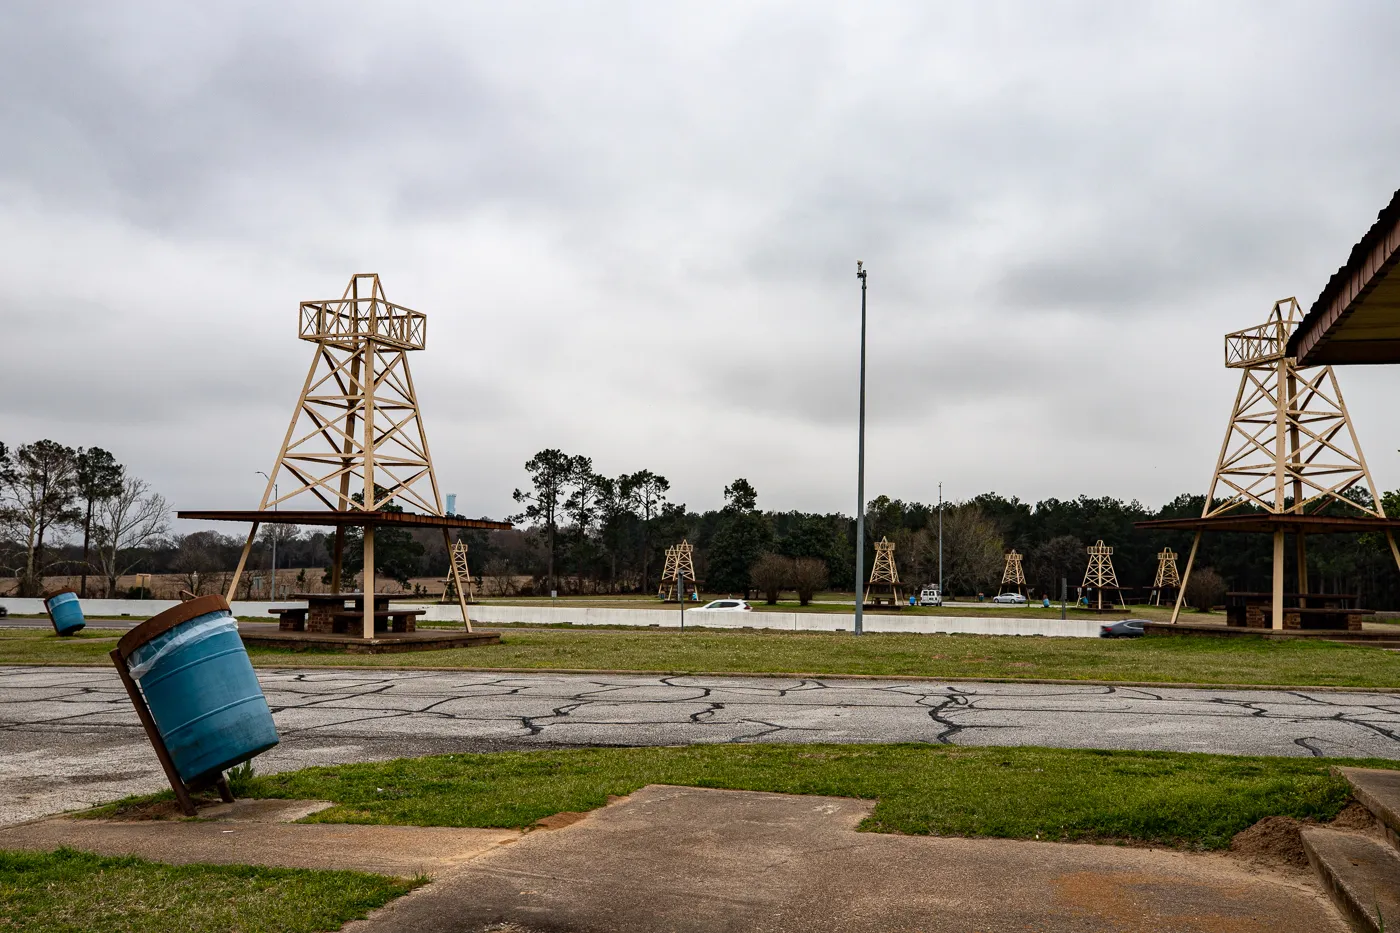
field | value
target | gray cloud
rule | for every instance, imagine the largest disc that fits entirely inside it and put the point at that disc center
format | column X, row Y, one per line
column 634, row 226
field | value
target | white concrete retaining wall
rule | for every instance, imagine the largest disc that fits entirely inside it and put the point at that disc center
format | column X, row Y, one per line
column 643, row 618
column 783, row 621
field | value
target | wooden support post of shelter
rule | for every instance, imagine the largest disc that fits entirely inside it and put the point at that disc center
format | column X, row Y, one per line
column 1013, row 575
column 884, row 576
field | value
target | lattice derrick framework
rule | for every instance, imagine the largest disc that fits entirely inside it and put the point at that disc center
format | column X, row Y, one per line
column 1315, row 424
column 1013, row 573
column 326, row 448
column 1166, row 570
column 460, row 569
column 680, row 562
column 685, row 561
column 1285, row 421
column 1100, row 572
column 668, row 572
column 884, row 569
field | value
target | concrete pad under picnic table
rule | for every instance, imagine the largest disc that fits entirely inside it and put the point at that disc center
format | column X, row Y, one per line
column 681, row 859
column 259, row 832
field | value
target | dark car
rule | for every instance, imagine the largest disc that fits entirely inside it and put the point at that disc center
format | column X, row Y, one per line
column 1127, row 628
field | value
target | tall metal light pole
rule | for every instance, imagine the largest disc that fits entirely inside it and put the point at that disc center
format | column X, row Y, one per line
column 940, row 542
column 272, row 588
column 860, row 468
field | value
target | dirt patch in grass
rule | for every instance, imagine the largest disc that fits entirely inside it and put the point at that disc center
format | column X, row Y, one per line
column 144, row 808
column 1276, row 840
column 559, row 820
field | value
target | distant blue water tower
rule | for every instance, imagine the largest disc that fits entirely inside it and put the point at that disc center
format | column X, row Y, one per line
column 451, row 503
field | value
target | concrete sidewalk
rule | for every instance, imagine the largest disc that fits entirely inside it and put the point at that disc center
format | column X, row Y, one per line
column 259, row 832
column 691, row 860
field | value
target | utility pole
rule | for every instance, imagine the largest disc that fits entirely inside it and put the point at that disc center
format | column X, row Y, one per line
column 941, row 598
column 860, row 468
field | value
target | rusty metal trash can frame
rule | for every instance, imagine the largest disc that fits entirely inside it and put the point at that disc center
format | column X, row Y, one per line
column 189, row 678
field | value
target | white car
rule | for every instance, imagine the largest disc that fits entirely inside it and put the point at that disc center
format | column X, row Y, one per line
column 930, row 597
column 725, row 605
column 1010, row 599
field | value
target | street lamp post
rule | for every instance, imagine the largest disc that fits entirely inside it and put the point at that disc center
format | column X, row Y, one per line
column 860, row 468
column 940, row 542
column 272, row 580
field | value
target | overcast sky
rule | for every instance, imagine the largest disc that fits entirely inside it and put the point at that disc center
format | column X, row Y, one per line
column 634, row 227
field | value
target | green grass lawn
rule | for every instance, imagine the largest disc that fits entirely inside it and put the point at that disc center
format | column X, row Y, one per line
column 1165, row 798
column 75, row 892
column 1145, row 660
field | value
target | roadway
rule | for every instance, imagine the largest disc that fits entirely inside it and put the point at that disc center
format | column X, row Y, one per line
column 69, row 738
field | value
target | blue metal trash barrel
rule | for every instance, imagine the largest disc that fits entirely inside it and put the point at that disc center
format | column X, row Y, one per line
column 65, row 612
column 199, row 684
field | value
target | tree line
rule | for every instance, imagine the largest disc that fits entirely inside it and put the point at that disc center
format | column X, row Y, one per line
column 595, row 536
column 48, row 490
column 76, row 511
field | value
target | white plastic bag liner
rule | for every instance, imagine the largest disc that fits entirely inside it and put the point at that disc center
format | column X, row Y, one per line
column 140, row 661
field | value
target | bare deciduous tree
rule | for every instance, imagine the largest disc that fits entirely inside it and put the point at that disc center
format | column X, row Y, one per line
column 1205, row 589
column 496, row 579
column 808, row 576
column 1060, row 558
column 770, row 575
column 972, row 547
column 130, row 520
column 197, row 562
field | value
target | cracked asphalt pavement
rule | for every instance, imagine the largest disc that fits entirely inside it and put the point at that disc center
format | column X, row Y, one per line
column 69, row 737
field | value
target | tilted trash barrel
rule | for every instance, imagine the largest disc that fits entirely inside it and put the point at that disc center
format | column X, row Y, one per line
column 200, row 687
column 65, row 612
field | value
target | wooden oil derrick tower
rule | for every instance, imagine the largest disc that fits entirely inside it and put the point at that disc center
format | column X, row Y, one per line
column 1167, row 577
column 884, row 577
column 356, row 449
column 457, row 558
column 668, row 572
column 1100, row 575
column 680, row 565
column 1290, row 463
column 1013, row 575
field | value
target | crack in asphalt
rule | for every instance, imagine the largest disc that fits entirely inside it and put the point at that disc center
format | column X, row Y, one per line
column 1307, row 744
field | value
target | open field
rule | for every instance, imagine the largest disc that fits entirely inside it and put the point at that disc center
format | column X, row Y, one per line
column 1146, row 660
column 75, row 892
column 1162, row 798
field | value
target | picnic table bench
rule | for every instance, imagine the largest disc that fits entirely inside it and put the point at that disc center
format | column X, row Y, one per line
column 334, row 613
column 1300, row 611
